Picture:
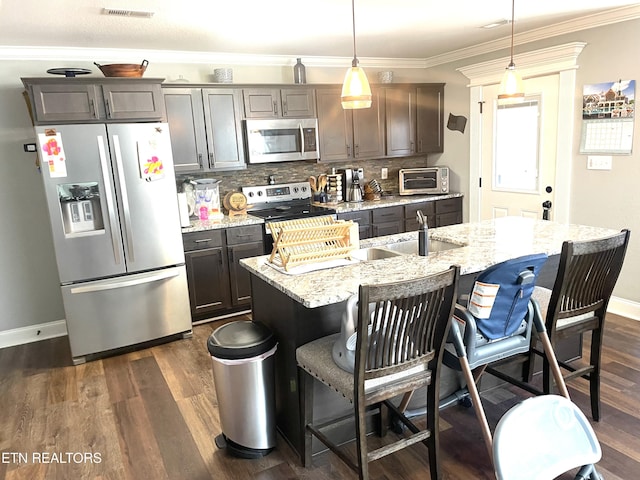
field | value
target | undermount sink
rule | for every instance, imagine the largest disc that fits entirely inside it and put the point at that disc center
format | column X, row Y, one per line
column 411, row 246
column 373, row 253
column 401, row 248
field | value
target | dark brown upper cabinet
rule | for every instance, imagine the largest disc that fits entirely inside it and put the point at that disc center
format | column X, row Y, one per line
column 349, row 134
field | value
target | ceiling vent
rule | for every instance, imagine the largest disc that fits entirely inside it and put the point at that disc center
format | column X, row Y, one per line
column 118, row 12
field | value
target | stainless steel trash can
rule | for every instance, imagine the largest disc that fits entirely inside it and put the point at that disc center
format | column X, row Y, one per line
column 242, row 353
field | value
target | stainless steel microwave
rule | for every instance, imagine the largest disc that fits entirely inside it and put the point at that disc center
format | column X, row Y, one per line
column 282, row 140
column 423, row 181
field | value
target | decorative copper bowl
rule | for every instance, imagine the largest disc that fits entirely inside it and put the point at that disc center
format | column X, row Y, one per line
column 123, row 69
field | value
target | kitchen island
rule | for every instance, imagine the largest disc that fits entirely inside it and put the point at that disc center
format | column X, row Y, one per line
column 301, row 308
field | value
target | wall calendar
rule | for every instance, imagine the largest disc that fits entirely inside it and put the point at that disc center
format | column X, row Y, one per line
column 608, row 117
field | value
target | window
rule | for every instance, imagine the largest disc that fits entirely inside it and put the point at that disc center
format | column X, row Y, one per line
column 517, row 141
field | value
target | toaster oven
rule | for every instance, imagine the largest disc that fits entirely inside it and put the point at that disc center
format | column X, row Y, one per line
column 423, row 181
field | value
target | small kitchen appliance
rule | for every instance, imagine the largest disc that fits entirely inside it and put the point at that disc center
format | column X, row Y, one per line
column 351, row 176
column 423, row 181
column 282, row 140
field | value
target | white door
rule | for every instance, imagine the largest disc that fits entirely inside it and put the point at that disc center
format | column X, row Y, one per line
column 519, row 144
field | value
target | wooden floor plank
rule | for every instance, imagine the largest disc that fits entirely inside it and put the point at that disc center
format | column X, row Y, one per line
column 141, row 456
column 177, row 447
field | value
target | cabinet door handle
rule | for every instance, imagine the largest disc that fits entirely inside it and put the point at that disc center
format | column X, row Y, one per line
column 275, row 107
column 348, row 151
column 202, row 240
column 285, row 111
column 92, row 106
column 108, row 107
column 356, row 150
column 211, row 160
column 200, row 160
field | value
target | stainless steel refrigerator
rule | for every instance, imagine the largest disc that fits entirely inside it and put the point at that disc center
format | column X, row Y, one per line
column 111, row 195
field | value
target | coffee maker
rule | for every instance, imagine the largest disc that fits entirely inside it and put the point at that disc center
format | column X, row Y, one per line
column 352, row 179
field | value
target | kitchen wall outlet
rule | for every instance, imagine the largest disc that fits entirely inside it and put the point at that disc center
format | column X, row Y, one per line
column 599, row 162
column 384, row 173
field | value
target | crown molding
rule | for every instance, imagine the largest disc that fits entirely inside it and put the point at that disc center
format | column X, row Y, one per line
column 531, row 64
column 609, row 17
column 122, row 55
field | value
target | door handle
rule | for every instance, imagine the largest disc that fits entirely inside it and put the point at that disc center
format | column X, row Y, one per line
column 546, row 206
column 131, row 281
column 108, row 194
column 125, row 197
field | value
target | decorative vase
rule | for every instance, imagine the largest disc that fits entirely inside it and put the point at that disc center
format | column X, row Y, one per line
column 299, row 72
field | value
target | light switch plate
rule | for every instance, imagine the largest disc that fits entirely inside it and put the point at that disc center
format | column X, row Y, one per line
column 599, row 162
column 384, row 173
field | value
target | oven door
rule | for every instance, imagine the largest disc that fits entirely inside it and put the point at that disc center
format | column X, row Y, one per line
column 282, row 140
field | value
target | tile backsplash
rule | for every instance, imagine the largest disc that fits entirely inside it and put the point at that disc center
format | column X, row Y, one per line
column 285, row 172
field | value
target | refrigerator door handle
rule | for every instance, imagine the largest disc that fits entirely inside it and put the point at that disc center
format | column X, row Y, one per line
column 125, row 197
column 138, row 279
column 104, row 166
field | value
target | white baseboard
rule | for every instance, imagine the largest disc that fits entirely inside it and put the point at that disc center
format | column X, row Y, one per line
column 625, row 308
column 32, row 333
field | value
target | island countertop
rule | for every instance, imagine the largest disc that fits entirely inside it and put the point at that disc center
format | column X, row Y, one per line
column 483, row 243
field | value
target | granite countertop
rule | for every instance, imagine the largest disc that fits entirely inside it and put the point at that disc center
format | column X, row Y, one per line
column 484, row 244
column 198, row 225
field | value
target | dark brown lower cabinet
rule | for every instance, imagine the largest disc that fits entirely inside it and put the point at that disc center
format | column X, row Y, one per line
column 439, row 213
column 390, row 220
column 218, row 284
column 387, row 221
column 362, row 218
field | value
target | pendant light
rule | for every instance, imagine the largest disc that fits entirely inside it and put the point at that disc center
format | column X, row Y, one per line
column 356, row 92
column 511, row 87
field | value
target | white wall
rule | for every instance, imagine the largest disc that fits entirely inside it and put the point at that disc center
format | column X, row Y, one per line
column 609, row 198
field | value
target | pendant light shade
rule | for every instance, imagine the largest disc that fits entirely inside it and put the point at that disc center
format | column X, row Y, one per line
column 511, row 86
column 356, row 92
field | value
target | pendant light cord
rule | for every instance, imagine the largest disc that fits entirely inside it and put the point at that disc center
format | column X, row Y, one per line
column 513, row 6
column 353, row 19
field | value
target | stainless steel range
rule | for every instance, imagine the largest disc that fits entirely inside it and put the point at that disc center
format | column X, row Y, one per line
column 285, row 201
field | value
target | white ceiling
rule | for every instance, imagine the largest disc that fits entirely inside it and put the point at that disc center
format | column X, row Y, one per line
column 412, row 29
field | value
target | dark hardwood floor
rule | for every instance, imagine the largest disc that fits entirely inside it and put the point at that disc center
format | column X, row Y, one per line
column 152, row 414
